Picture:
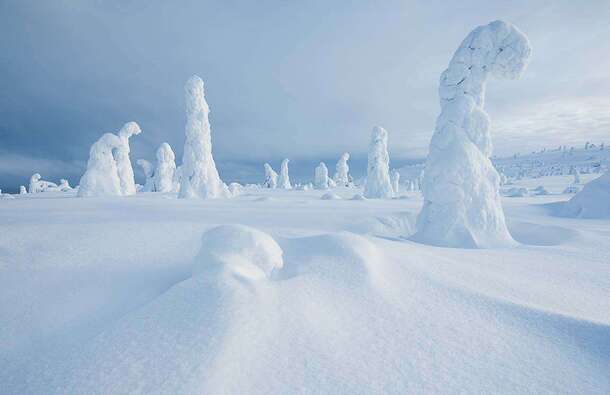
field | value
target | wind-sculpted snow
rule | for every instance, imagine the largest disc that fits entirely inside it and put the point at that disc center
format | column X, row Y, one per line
column 121, row 155
column 593, row 201
column 101, row 177
column 165, row 170
column 270, row 177
column 462, row 205
column 199, row 176
column 342, row 177
column 378, row 183
column 284, row 179
column 321, row 177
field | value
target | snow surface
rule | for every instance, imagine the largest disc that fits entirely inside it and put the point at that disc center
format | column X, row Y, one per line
column 98, row 296
column 461, row 186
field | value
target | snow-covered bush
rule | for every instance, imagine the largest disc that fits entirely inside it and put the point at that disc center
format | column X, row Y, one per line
column 378, row 183
column 235, row 188
column 540, row 190
column 38, row 185
column 592, row 202
column 101, row 177
column 321, row 177
column 516, row 192
column 238, row 248
column 200, row 177
column 166, row 167
column 462, row 206
column 342, row 177
column 149, row 173
column 121, row 155
column 64, row 185
column 284, row 179
column 22, row 190
column 270, row 177
column 330, row 196
column 395, row 177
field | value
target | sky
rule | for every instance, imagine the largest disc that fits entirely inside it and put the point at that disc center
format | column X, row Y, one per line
column 306, row 80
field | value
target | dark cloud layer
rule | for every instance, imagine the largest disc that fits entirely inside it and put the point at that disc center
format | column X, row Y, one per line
column 304, row 80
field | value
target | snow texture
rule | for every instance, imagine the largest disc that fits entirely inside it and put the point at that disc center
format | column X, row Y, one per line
column 101, row 177
column 245, row 251
column 284, row 179
column 378, row 185
column 270, row 177
column 593, row 201
column 165, row 170
column 462, row 205
column 121, row 155
column 342, row 177
column 200, row 177
column 149, row 173
column 321, row 177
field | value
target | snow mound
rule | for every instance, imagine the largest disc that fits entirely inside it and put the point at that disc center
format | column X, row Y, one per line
column 243, row 249
column 592, row 202
column 396, row 225
column 540, row 190
column 358, row 197
column 516, row 192
column 330, row 196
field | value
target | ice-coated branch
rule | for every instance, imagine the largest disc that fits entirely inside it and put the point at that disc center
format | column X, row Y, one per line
column 462, row 205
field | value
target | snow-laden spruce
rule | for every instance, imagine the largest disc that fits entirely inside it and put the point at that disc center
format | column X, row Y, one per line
column 321, row 177
column 593, row 201
column 395, row 177
column 342, row 178
column 462, row 206
column 378, row 183
column 121, row 155
column 200, row 177
column 102, row 177
column 37, row 184
column 270, row 177
column 149, row 175
column 166, row 169
column 284, row 180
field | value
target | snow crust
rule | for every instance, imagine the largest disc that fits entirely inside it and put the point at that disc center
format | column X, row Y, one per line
column 378, row 185
column 199, row 176
column 462, row 205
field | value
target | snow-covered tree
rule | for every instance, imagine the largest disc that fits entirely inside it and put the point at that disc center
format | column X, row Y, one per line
column 378, row 183
column 321, row 177
column 22, row 190
column 270, row 177
column 395, row 177
column 462, row 206
column 38, row 185
column 342, row 177
column 200, row 177
column 576, row 176
column 284, row 180
column 102, row 177
column 64, row 185
column 166, row 167
column 121, row 155
column 149, row 175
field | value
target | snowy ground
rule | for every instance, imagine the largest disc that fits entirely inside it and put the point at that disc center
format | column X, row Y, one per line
column 96, row 296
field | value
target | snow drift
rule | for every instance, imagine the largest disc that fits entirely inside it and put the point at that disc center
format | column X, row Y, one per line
column 593, row 201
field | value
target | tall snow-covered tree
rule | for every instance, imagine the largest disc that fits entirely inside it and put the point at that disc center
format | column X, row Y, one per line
column 199, row 178
column 121, row 155
column 102, row 177
column 321, row 177
column 342, row 178
column 462, row 206
column 284, row 180
column 270, row 177
column 378, row 183
column 165, row 170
